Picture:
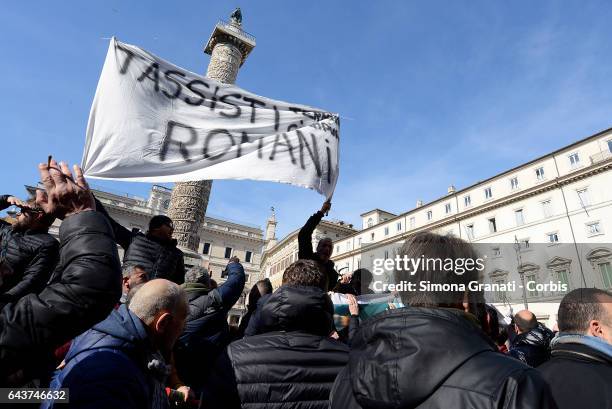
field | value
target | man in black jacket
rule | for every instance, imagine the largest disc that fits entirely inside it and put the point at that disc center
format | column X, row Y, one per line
column 206, row 330
column 325, row 246
column 532, row 342
column 28, row 253
column 156, row 250
column 84, row 287
column 580, row 370
column 432, row 354
column 294, row 361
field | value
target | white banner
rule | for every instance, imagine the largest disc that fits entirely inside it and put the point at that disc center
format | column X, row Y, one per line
column 152, row 121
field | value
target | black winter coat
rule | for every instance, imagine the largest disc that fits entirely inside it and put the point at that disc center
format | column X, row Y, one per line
column 533, row 347
column 579, row 376
column 83, row 289
column 432, row 358
column 292, row 364
column 30, row 255
column 161, row 259
column 306, row 252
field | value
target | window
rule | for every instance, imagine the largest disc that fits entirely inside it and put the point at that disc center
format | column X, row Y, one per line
column 500, row 295
column 399, row 226
column 359, row 263
column 206, row 248
column 370, row 222
column 531, row 278
column 372, row 236
column 359, row 241
column 492, row 225
column 524, row 244
column 593, row 228
column 562, row 278
column 574, row 160
column 488, row 193
column 348, row 246
column 386, row 254
column 583, row 197
column 610, row 145
column 539, row 173
column 514, row 183
column 606, row 274
column 553, row 238
column 337, row 248
column 248, row 256
column 412, row 222
column 547, row 209
column 467, row 200
column 386, row 231
column 429, row 215
column 496, row 252
column 246, row 278
column 469, row 230
column 447, row 208
column 228, row 252
column 518, row 215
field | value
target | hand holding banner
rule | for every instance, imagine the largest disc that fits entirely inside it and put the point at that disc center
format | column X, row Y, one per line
column 152, row 121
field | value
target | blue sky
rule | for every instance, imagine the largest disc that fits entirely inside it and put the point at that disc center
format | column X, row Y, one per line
column 433, row 93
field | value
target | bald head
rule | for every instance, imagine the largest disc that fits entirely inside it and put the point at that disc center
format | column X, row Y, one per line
column 525, row 320
column 161, row 305
column 155, row 297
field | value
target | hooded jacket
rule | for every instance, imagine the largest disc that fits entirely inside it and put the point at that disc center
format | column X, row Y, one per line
column 83, row 289
column 160, row 258
column 31, row 256
column 579, row 372
column 206, row 330
column 293, row 363
column 533, row 347
column 432, row 358
column 107, row 366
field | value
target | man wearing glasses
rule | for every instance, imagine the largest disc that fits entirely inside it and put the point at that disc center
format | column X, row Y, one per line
column 28, row 253
column 156, row 250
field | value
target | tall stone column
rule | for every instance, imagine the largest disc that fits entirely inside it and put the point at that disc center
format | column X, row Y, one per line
column 228, row 47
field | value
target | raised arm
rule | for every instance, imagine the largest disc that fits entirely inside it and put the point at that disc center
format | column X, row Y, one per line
column 305, row 250
column 86, row 286
column 232, row 288
column 123, row 236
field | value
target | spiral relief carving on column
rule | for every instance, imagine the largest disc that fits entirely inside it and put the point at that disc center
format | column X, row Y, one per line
column 189, row 200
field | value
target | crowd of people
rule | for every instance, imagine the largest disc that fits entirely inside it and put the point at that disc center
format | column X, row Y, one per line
column 146, row 332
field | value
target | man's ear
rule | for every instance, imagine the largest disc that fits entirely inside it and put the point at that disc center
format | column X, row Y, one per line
column 595, row 329
column 162, row 322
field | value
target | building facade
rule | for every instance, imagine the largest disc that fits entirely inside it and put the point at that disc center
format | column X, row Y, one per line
column 219, row 239
column 547, row 220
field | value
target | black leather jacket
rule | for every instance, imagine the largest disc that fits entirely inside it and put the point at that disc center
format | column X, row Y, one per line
column 30, row 255
column 83, row 289
column 433, row 358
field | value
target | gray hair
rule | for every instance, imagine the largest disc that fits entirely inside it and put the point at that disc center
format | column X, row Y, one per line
column 198, row 274
column 156, row 296
column 127, row 269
